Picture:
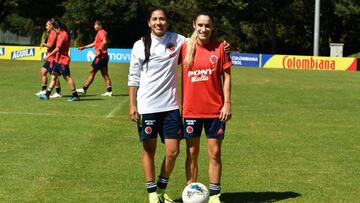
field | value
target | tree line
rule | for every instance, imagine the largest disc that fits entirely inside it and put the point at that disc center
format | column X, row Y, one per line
column 253, row 26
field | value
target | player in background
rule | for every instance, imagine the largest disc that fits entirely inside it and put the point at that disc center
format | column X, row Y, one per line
column 62, row 61
column 206, row 102
column 49, row 43
column 101, row 60
column 152, row 83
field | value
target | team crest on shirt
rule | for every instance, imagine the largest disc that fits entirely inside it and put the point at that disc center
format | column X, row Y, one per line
column 189, row 129
column 213, row 59
column 148, row 130
column 170, row 47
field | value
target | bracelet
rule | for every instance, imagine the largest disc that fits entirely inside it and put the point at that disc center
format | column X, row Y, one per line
column 228, row 102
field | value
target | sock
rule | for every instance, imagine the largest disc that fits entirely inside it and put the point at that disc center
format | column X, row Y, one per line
column 109, row 89
column 162, row 182
column 58, row 90
column 214, row 188
column 74, row 93
column 48, row 92
column 150, row 186
column 43, row 87
column 86, row 87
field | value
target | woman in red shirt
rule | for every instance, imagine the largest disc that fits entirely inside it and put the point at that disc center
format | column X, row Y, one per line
column 62, row 61
column 101, row 60
column 206, row 99
column 50, row 44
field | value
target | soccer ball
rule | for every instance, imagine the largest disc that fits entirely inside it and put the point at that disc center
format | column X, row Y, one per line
column 195, row 193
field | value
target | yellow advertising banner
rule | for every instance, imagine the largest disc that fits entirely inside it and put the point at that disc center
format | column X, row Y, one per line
column 22, row 53
column 309, row 62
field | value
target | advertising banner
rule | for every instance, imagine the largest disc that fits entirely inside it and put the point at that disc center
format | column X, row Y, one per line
column 22, row 53
column 115, row 55
column 238, row 59
column 308, row 62
column 249, row 60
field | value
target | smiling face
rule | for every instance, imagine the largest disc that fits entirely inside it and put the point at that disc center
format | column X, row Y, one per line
column 158, row 23
column 203, row 27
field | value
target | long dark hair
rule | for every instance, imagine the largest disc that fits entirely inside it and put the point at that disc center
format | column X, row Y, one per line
column 147, row 37
column 61, row 26
column 101, row 23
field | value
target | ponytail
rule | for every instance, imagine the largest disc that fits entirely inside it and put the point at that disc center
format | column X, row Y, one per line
column 147, row 45
column 191, row 49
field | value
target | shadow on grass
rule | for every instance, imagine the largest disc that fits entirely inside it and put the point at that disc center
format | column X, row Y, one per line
column 88, row 99
column 94, row 95
column 251, row 197
column 81, row 95
column 121, row 95
column 243, row 197
column 84, row 98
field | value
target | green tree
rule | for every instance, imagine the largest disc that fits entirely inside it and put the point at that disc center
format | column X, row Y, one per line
column 259, row 26
column 344, row 21
column 28, row 17
column 80, row 16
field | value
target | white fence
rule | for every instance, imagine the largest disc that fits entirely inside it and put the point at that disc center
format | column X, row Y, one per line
column 11, row 38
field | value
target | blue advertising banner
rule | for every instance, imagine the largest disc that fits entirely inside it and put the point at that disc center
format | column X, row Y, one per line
column 265, row 58
column 115, row 55
column 2, row 51
column 249, row 60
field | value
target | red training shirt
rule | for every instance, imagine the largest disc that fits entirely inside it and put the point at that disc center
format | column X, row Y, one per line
column 63, row 43
column 51, row 42
column 100, row 36
column 202, row 89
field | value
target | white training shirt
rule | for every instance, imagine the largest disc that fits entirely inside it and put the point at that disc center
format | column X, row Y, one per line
column 157, row 79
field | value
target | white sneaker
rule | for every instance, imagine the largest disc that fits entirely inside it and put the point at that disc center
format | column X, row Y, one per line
column 81, row 91
column 56, row 95
column 41, row 92
column 154, row 198
column 107, row 94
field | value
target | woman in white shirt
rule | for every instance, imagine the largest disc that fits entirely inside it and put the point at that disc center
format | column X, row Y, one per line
column 153, row 100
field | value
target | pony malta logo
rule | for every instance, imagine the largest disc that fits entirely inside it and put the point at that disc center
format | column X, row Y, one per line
column 200, row 75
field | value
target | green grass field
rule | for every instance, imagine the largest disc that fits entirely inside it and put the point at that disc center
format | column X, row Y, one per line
column 294, row 137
